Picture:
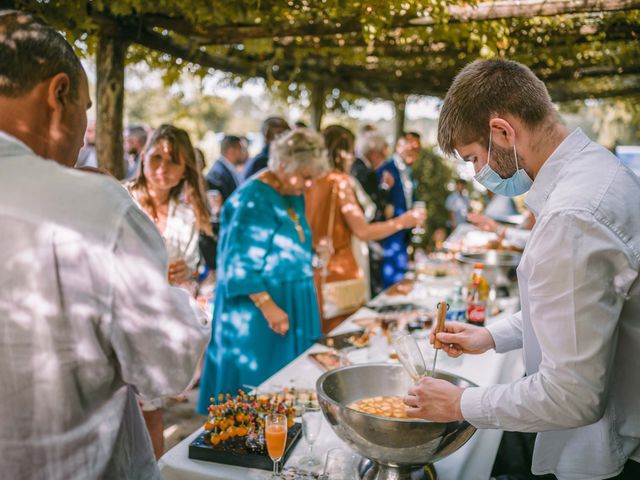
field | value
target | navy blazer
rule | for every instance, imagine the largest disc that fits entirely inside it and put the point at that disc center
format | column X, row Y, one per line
column 219, row 177
column 396, row 194
column 257, row 163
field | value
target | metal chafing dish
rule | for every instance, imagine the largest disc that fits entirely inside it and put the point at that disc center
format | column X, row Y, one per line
column 499, row 266
column 399, row 449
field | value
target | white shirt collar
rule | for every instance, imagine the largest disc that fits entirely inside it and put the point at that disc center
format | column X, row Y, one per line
column 397, row 159
column 11, row 143
column 547, row 177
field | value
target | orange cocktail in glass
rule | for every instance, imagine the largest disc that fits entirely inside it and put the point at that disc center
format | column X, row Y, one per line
column 275, row 434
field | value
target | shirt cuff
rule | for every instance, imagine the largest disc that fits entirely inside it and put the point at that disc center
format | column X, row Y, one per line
column 474, row 411
column 505, row 336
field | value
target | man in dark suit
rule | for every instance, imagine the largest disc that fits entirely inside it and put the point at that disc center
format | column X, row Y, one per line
column 401, row 195
column 223, row 175
column 271, row 128
column 372, row 150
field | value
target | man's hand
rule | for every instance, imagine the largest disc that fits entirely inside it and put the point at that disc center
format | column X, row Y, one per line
column 458, row 338
column 482, row 222
column 276, row 317
column 435, row 400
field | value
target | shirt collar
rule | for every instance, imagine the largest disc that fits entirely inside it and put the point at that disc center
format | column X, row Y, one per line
column 366, row 162
column 11, row 144
column 397, row 159
column 545, row 181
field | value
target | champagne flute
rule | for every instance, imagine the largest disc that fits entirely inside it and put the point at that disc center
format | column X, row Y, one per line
column 409, row 355
column 311, row 425
column 276, row 437
column 339, row 465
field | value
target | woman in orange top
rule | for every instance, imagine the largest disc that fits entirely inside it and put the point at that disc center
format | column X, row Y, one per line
column 334, row 215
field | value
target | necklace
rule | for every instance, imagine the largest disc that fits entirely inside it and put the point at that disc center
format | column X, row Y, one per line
column 290, row 211
column 296, row 222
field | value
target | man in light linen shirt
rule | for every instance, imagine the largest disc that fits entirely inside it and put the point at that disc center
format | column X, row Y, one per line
column 580, row 321
column 86, row 313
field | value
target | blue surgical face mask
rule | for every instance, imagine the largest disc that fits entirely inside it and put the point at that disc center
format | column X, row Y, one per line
column 515, row 185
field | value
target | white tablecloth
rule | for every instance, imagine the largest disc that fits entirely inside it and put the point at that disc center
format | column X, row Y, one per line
column 472, row 462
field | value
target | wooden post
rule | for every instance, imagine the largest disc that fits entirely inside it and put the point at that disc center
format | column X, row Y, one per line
column 318, row 99
column 110, row 102
column 399, row 110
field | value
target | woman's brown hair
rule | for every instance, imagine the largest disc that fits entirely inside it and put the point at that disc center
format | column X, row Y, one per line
column 192, row 185
column 338, row 140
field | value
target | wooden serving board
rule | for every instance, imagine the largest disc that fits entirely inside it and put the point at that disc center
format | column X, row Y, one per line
column 235, row 452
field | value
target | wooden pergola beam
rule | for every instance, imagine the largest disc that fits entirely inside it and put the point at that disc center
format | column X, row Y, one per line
column 230, row 34
column 527, row 8
column 374, row 83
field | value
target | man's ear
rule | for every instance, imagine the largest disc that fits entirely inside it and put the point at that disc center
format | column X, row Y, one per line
column 59, row 91
column 502, row 133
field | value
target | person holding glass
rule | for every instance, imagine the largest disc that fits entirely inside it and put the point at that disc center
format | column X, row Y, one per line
column 335, row 216
column 266, row 311
column 168, row 173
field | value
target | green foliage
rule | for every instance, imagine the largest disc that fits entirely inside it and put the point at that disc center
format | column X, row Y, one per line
column 433, row 174
column 611, row 122
column 197, row 113
column 360, row 47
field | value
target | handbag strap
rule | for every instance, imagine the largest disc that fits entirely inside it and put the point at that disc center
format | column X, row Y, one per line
column 332, row 212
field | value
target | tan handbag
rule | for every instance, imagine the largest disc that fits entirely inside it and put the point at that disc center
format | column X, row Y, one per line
column 343, row 296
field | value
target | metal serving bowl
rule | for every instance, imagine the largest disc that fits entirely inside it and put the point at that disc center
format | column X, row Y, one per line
column 398, row 448
column 499, row 266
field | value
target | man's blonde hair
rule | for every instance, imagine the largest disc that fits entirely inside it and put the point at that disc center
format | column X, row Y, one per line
column 485, row 88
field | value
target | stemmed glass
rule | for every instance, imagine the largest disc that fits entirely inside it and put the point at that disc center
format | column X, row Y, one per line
column 311, row 425
column 409, row 355
column 276, row 437
column 340, row 465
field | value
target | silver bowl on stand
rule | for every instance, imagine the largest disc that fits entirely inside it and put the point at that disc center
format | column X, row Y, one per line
column 398, row 449
column 499, row 267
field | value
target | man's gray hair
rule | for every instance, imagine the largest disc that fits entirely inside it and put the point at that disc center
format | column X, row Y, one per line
column 32, row 52
column 298, row 149
column 372, row 141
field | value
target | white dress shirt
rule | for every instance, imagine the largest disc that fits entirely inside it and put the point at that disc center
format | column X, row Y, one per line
column 86, row 317
column 180, row 234
column 580, row 320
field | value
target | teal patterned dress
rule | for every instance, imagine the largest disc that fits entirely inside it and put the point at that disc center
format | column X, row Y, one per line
column 259, row 249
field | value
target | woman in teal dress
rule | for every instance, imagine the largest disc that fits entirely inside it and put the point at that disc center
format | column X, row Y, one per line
column 266, row 312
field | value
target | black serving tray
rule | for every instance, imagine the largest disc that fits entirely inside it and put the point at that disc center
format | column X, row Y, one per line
column 340, row 341
column 395, row 308
column 234, row 451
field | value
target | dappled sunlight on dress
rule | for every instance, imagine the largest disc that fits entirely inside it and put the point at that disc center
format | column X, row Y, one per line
column 259, row 250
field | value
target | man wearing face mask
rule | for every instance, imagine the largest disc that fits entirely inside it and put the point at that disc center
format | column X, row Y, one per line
column 579, row 326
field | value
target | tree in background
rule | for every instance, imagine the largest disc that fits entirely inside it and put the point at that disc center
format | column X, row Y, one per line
column 433, row 174
column 197, row 113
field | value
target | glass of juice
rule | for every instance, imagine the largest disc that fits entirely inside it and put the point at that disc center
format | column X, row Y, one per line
column 275, row 433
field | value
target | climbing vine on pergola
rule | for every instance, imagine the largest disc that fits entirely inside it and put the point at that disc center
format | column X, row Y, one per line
column 365, row 48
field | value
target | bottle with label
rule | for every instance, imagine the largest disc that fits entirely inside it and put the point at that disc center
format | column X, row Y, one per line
column 477, row 296
column 457, row 307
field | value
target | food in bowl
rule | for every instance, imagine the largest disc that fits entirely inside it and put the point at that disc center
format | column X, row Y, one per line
column 384, row 406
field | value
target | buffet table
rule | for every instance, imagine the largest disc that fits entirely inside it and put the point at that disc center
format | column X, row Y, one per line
column 473, row 461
